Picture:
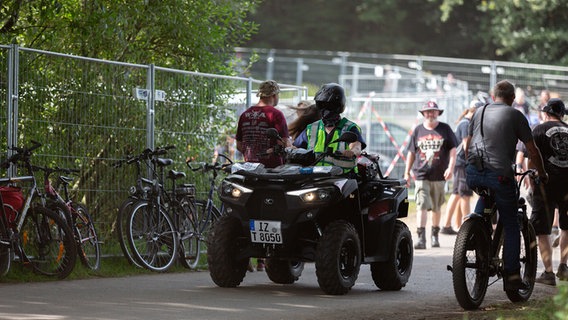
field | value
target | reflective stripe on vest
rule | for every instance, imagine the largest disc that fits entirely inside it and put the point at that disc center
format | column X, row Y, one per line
column 316, row 138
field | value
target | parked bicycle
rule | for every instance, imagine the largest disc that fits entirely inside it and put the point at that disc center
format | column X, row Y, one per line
column 40, row 237
column 478, row 253
column 171, row 223
column 139, row 191
column 76, row 215
column 152, row 232
column 204, row 213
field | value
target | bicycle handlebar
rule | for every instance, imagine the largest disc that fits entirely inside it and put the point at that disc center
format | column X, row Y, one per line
column 22, row 154
column 145, row 155
column 217, row 166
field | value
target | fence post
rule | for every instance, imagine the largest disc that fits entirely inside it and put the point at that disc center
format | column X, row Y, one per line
column 12, row 97
column 150, row 105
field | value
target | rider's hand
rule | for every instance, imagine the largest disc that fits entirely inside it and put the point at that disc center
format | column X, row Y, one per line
column 543, row 177
column 348, row 154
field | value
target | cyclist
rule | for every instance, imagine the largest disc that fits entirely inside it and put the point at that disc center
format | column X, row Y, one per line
column 330, row 99
column 490, row 151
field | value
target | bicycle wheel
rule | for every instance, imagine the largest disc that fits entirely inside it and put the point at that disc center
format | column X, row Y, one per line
column 152, row 237
column 122, row 224
column 48, row 243
column 190, row 242
column 88, row 242
column 529, row 261
column 206, row 219
column 470, row 265
column 5, row 248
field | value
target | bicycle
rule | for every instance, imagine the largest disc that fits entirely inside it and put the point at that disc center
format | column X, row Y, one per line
column 152, row 235
column 139, row 191
column 40, row 237
column 204, row 213
column 477, row 252
column 76, row 215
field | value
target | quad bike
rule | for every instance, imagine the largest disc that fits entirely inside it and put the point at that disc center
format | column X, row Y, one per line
column 299, row 212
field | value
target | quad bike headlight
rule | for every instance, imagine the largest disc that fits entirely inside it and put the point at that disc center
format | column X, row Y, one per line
column 234, row 191
column 313, row 195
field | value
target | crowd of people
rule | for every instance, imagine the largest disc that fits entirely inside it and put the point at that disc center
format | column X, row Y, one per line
column 504, row 133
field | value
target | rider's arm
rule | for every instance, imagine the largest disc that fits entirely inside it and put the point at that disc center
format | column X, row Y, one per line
column 535, row 160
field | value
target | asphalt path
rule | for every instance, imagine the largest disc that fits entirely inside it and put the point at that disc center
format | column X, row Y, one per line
column 192, row 295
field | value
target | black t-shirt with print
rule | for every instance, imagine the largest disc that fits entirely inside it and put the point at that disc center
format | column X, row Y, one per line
column 432, row 150
column 551, row 138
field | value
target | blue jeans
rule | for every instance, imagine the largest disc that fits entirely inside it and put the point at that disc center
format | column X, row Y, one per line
column 505, row 193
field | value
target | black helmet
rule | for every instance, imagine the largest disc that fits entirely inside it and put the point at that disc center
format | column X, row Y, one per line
column 331, row 96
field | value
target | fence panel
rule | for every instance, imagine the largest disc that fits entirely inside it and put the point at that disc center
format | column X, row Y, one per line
column 90, row 113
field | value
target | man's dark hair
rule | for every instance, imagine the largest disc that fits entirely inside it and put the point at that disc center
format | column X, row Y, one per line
column 505, row 90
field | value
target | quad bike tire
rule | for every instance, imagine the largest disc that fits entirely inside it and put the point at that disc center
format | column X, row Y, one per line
column 338, row 258
column 284, row 271
column 393, row 274
column 222, row 249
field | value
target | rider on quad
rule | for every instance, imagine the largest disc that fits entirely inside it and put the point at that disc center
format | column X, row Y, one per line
column 330, row 99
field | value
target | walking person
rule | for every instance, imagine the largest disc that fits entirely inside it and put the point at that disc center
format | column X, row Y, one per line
column 551, row 137
column 458, row 203
column 252, row 140
column 490, row 152
column 431, row 157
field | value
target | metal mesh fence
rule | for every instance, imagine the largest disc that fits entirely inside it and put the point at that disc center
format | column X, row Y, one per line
column 90, row 113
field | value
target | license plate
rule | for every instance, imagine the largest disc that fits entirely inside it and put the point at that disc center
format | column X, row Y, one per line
column 264, row 231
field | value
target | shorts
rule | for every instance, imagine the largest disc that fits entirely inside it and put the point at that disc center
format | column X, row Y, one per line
column 543, row 208
column 460, row 186
column 429, row 195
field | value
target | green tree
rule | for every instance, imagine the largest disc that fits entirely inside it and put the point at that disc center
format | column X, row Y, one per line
column 518, row 30
column 93, row 116
column 197, row 35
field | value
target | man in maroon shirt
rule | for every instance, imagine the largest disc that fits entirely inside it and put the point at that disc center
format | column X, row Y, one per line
column 252, row 140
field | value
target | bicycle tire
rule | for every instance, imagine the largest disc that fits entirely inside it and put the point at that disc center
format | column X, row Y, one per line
column 48, row 243
column 122, row 224
column 152, row 237
column 470, row 264
column 88, row 242
column 529, row 262
column 5, row 249
column 189, row 237
column 206, row 221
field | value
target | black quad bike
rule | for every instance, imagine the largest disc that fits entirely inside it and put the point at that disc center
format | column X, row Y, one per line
column 300, row 213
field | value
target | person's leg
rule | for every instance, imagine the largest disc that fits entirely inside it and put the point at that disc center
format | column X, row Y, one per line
column 464, row 209
column 555, row 234
column 438, row 197
column 450, row 209
column 562, row 273
column 506, row 201
column 423, row 204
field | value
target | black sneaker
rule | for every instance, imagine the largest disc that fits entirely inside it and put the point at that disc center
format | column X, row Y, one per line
column 546, row 278
column 562, row 273
column 448, row 230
